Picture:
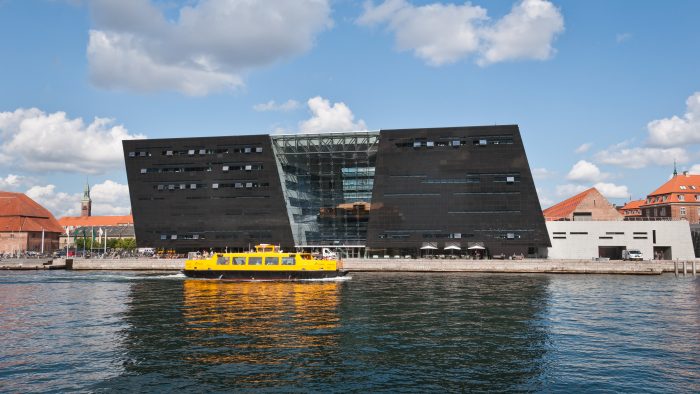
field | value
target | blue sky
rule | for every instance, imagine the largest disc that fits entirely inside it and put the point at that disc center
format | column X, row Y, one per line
column 606, row 93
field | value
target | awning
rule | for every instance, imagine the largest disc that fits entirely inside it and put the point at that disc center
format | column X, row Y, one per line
column 429, row 246
column 452, row 247
column 476, row 247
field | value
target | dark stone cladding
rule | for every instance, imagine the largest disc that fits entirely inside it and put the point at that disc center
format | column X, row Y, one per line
column 246, row 208
column 473, row 185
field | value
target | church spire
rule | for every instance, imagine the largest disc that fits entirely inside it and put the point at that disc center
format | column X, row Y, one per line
column 675, row 172
column 86, row 201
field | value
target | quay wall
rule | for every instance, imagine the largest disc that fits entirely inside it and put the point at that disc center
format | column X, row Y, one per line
column 388, row 265
column 515, row 266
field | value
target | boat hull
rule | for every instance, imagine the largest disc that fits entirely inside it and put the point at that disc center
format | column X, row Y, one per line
column 262, row 275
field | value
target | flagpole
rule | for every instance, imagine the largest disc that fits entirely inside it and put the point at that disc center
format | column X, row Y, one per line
column 105, row 234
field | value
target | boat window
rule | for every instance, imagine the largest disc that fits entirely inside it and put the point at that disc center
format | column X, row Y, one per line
column 254, row 260
column 272, row 260
column 222, row 260
column 239, row 261
column 288, row 260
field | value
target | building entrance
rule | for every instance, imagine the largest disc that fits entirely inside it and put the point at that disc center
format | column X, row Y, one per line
column 611, row 252
column 662, row 253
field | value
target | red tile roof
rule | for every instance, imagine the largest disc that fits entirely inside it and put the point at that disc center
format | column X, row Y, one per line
column 633, row 204
column 566, row 207
column 685, row 187
column 86, row 221
column 20, row 213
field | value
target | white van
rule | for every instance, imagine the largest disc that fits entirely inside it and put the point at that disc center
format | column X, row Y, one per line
column 632, row 254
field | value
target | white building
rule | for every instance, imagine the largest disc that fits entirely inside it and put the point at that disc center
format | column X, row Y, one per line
column 668, row 239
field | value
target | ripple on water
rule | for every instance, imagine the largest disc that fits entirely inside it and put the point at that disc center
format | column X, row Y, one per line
column 105, row 331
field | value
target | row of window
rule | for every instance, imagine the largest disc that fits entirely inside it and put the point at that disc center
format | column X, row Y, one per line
column 407, row 234
column 662, row 211
column 456, row 142
column 223, row 260
column 225, row 168
column 200, row 152
column 193, row 186
column 664, row 198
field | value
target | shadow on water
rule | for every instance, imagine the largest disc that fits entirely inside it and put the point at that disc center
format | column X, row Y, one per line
column 375, row 332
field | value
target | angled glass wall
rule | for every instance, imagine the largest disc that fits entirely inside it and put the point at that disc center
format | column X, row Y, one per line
column 327, row 182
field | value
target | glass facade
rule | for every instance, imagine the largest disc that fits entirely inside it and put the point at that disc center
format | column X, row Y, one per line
column 327, row 182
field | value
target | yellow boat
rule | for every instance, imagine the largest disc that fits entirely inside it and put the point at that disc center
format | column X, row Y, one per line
column 267, row 262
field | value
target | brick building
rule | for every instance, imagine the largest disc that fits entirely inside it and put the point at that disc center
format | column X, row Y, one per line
column 632, row 209
column 587, row 205
column 677, row 199
column 26, row 226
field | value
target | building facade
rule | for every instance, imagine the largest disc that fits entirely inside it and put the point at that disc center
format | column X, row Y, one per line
column 667, row 239
column 392, row 191
column 679, row 198
column 26, row 226
column 632, row 209
column 585, row 206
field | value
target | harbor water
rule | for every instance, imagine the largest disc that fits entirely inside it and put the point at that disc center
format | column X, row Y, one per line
column 376, row 332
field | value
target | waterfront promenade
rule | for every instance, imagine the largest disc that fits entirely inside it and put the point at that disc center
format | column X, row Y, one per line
column 647, row 267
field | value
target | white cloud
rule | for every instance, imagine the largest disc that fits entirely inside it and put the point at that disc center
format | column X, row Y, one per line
column 569, row 190
column 541, row 173
column 271, row 105
column 526, row 33
column 326, row 117
column 108, row 198
column 437, row 33
column 638, row 157
column 33, row 140
column 695, row 169
column 585, row 171
column 59, row 203
column 583, row 148
column 10, row 182
column 205, row 48
column 677, row 131
column 544, row 200
column 611, row 190
column 445, row 33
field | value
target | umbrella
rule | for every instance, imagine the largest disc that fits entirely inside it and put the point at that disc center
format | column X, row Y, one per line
column 428, row 247
column 476, row 247
column 453, row 247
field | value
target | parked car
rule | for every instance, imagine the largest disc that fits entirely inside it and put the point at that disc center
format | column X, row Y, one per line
column 632, row 254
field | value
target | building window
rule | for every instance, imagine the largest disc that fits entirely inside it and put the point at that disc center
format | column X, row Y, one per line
column 215, row 186
column 246, row 150
column 143, row 171
column 163, row 236
column 510, row 179
column 682, row 211
column 683, row 187
column 193, row 185
column 248, row 167
column 430, row 144
column 681, row 197
column 258, row 149
column 662, row 212
column 132, row 154
column 168, row 153
column 225, row 168
column 174, row 236
column 190, row 152
column 456, row 143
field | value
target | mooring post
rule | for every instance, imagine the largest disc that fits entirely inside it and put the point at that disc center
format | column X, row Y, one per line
column 693, row 267
column 684, row 268
column 675, row 267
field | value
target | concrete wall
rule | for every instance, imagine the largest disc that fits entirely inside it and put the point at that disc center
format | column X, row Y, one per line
column 567, row 244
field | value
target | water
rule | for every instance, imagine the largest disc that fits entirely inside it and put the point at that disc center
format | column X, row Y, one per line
column 102, row 332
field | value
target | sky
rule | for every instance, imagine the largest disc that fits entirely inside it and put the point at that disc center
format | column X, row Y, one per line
column 606, row 92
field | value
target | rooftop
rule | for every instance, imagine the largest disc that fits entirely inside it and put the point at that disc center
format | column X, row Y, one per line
column 87, row 221
column 20, row 213
column 566, row 207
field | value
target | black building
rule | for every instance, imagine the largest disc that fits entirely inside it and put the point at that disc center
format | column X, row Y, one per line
column 393, row 192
